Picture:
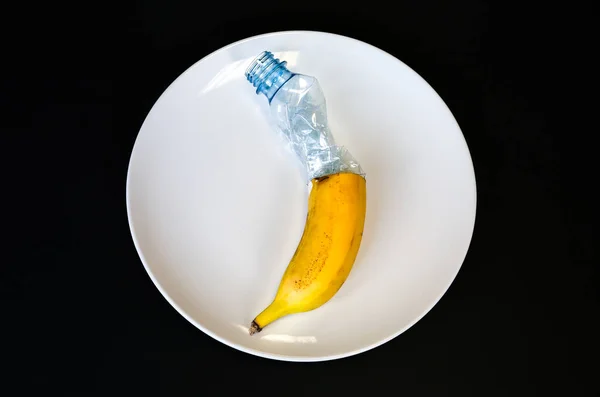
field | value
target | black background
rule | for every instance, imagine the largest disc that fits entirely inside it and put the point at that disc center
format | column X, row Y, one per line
column 80, row 315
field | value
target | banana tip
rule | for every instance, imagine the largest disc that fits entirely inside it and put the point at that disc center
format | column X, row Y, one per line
column 254, row 328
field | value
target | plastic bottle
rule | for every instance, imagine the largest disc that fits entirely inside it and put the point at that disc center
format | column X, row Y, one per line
column 298, row 110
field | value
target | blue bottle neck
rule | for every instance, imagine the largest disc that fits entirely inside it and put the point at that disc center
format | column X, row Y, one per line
column 268, row 74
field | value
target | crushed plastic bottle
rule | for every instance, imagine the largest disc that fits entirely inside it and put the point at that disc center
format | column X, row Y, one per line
column 299, row 112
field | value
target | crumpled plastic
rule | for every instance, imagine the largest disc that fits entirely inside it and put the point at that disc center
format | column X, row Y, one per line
column 299, row 114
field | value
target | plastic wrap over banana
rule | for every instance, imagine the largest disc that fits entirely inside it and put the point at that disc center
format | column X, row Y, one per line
column 337, row 200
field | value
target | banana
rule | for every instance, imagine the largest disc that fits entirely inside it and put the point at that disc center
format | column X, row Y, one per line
column 327, row 250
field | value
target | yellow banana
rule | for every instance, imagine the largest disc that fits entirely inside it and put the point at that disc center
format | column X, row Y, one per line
column 327, row 250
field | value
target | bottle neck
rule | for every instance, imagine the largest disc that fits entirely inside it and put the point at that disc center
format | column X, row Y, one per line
column 268, row 74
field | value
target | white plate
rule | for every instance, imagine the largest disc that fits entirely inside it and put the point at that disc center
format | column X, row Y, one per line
column 217, row 205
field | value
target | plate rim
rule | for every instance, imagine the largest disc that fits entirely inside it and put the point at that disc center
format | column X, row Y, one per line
column 277, row 356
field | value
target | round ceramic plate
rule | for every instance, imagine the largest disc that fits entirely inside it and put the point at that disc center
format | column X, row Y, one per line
column 217, row 204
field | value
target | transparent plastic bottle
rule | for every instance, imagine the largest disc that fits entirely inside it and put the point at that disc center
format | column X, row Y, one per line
column 299, row 112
